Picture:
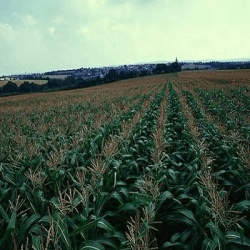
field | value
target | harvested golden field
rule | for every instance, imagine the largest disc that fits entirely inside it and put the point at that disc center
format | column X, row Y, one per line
column 158, row 162
column 19, row 82
column 213, row 78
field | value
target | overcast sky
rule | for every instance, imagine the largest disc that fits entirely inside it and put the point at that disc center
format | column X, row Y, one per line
column 41, row 35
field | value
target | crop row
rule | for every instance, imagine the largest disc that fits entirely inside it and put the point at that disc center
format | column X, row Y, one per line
column 61, row 205
column 231, row 178
column 225, row 111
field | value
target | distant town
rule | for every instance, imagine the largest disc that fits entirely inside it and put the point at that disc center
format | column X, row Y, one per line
column 147, row 69
column 83, row 73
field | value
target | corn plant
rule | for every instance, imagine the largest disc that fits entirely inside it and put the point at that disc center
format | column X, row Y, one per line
column 121, row 167
column 224, row 156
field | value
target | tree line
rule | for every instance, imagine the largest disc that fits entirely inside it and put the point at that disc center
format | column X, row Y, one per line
column 71, row 82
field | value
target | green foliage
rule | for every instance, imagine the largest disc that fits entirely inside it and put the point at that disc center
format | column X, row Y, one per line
column 10, row 87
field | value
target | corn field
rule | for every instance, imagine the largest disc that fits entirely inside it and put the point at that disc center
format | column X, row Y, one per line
column 160, row 162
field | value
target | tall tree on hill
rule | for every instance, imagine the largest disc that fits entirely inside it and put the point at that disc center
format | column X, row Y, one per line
column 175, row 66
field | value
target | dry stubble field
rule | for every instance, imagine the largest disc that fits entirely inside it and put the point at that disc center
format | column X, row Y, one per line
column 159, row 162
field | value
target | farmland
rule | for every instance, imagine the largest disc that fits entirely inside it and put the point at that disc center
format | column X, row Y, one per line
column 19, row 82
column 158, row 162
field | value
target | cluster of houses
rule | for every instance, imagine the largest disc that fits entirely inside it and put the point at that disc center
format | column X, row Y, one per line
column 87, row 73
column 7, row 78
column 192, row 66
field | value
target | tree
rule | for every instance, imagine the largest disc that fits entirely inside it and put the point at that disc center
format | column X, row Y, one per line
column 69, row 80
column 121, row 75
column 10, row 87
column 164, row 68
column 112, row 75
column 144, row 73
column 160, row 68
column 54, row 83
column 175, row 66
column 98, row 80
column 131, row 74
column 80, row 83
column 25, row 87
column 36, row 87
